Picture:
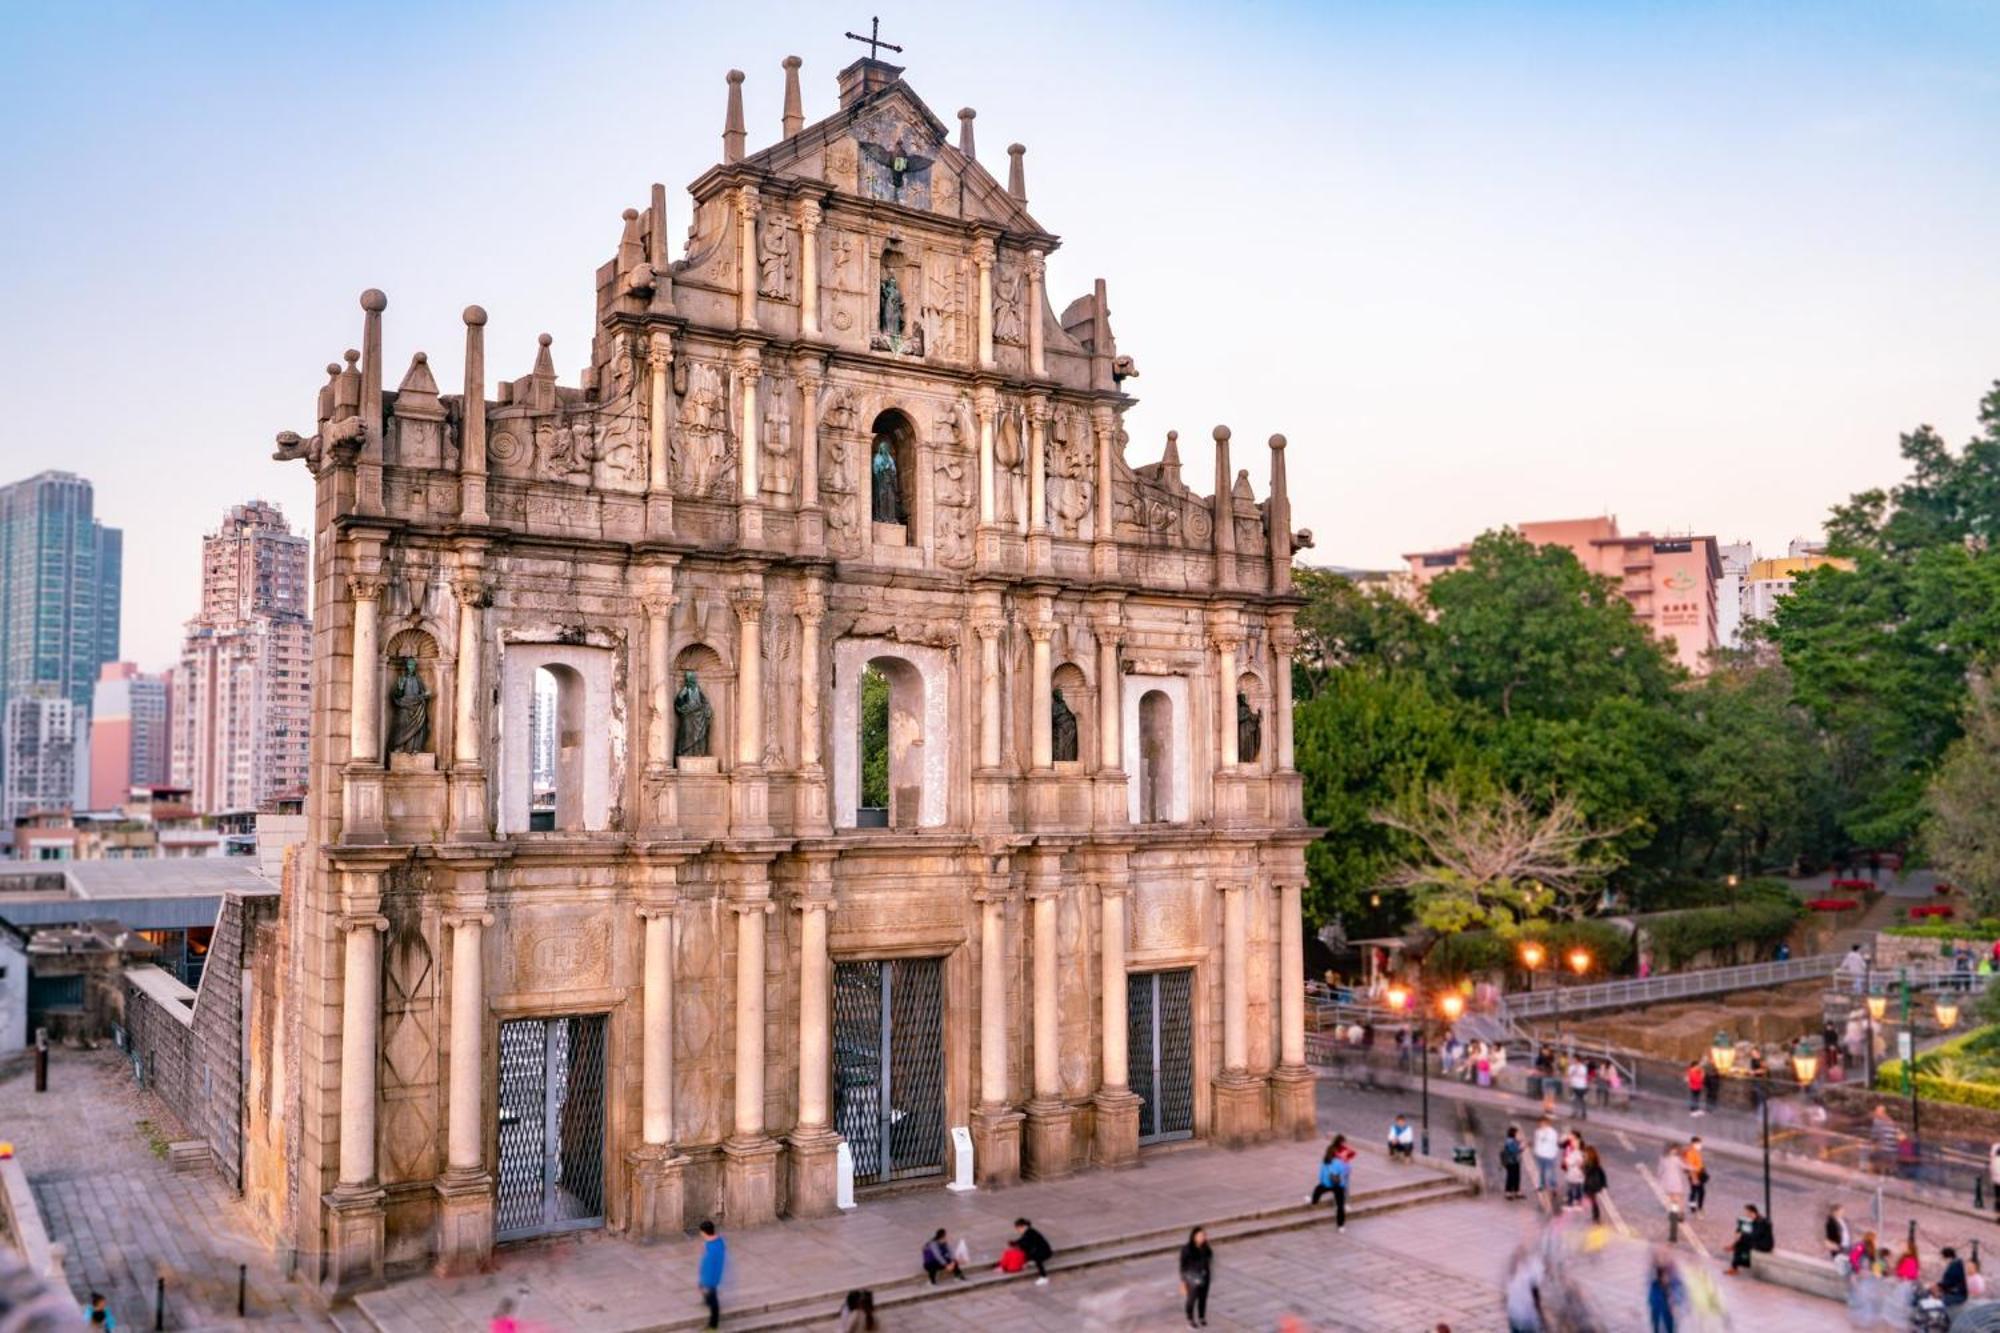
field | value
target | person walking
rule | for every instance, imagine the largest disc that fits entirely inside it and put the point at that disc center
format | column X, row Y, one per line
column 1838, row 1240
column 1711, row 1084
column 1697, row 1172
column 97, row 1314
column 1036, row 1247
column 857, row 1312
column 1572, row 1171
column 1335, row 1170
column 1510, row 1163
column 1594, row 1182
column 714, row 1259
column 1672, row 1176
column 1579, row 1088
column 1197, row 1269
column 1548, row 1147
column 1694, row 1081
column 940, row 1258
column 1663, row 1293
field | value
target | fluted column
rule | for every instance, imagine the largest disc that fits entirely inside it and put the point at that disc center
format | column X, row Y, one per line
column 1032, row 316
column 465, row 1147
column 364, row 696
column 360, row 1025
column 465, row 729
column 1283, row 641
column 1235, row 980
column 1103, row 426
column 749, row 677
column 984, row 404
column 659, row 461
column 656, row 1074
column 1112, row 948
column 746, row 257
column 810, row 383
column 1048, row 1017
column 1041, row 748
column 1291, row 977
column 989, row 692
column 659, row 685
column 809, row 219
column 983, row 253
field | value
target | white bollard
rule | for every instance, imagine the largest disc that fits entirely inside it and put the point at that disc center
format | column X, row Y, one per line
column 961, row 1152
column 843, row 1176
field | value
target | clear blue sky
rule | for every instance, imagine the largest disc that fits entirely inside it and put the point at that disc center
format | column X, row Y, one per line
column 1693, row 264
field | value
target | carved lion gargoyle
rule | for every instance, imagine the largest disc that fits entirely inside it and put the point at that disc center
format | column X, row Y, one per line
column 641, row 281
column 1124, row 368
column 290, row 446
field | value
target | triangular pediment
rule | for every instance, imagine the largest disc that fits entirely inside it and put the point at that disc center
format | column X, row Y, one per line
column 889, row 146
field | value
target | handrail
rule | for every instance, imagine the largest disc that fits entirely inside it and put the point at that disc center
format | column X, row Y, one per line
column 1667, row 986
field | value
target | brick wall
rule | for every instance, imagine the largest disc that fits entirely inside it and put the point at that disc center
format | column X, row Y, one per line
column 194, row 1059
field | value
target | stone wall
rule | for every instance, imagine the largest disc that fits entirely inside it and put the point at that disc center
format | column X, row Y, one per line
column 191, row 1044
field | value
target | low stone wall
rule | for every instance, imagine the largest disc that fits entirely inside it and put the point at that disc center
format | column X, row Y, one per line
column 190, row 1045
column 1951, row 1118
column 25, row 1228
column 1895, row 950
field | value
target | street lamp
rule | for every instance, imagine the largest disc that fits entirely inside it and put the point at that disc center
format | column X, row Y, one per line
column 1947, row 1014
column 1723, row 1054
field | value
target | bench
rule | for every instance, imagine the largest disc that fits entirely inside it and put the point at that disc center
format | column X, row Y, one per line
column 1813, row 1274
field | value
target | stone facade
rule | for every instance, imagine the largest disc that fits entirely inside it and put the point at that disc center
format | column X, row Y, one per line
column 1089, row 767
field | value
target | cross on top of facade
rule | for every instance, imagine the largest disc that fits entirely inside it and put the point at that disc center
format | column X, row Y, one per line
column 874, row 38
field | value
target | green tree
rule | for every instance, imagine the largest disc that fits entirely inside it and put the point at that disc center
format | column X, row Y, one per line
column 1962, row 830
column 874, row 739
column 1947, row 499
column 1345, row 625
column 1759, row 773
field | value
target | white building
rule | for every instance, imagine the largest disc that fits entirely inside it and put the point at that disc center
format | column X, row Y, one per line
column 41, row 737
column 1736, row 560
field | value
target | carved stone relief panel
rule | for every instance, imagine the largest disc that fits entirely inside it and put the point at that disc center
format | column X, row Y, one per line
column 409, row 1068
column 781, row 455
column 1164, row 915
column 777, row 258
column 1009, row 304
column 941, row 306
column 1070, row 466
column 952, row 497
column 701, row 435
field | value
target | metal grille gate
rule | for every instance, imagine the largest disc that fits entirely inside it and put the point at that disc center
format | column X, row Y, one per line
column 551, row 1126
column 888, row 1066
column 1159, row 1028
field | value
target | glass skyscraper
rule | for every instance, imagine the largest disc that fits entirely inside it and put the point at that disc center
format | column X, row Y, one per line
column 60, row 576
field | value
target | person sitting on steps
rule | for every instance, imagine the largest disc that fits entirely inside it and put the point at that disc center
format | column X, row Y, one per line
column 1402, row 1141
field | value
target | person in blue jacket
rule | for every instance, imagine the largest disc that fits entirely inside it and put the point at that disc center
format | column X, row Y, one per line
column 1335, row 1170
column 714, row 1258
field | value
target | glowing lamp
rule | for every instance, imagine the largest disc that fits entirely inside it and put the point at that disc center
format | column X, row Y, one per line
column 1805, row 1063
column 1723, row 1053
column 1947, row 1013
column 1878, row 1005
column 1398, row 998
column 1451, row 1006
column 1531, row 955
column 1579, row 961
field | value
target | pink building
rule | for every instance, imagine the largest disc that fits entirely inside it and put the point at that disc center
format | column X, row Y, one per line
column 1669, row 581
column 130, row 733
column 240, row 693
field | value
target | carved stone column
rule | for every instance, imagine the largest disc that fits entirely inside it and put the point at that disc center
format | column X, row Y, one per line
column 465, row 1192
column 1223, row 510
column 1292, row 1102
column 814, row 1145
column 1038, row 482
column 659, row 446
column 1041, row 747
column 749, row 1166
column 984, row 405
column 472, row 429
column 1104, row 550
column 989, row 692
column 749, row 789
column 749, row 446
column 983, row 254
column 1110, row 794
column 813, row 811
column 1283, row 642
column 1032, row 316
column 658, row 1196
column 364, row 743
column 355, row 1223
column 1225, row 699
column 468, row 777
column 659, row 686
column 812, row 516
column 1240, row 1096
column 1049, row 1122
column 808, row 219
column 746, row 257
column 996, row 1124
column 1117, row 1106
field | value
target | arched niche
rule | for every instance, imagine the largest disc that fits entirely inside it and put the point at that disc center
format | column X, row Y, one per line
column 894, row 428
column 918, row 730
column 718, row 685
column 420, row 647
column 583, row 741
column 1251, row 691
column 1158, row 750
column 1073, row 685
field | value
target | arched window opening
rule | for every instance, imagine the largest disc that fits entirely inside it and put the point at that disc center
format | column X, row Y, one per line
column 891, row 750
column 892, row 472
column 558, row 746
column 873, row 812
column 1156, row 744
column 542, row 752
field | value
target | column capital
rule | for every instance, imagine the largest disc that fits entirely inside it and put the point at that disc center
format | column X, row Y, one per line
column 810, row 370
column 750, row 359
column 1114, row 888
column 749, row 603
column 750, row 906
column 988, row 627
column 811, row 614
column 808, row 214
column 1225, row 639
column 472, row 593
column 365, row 588
column 984, row 252
column 351, row 921
column 985, row 400
column 1101, row 417
column 1037, row 264
column 747, row 201
column 453, row 920
column 1039, row 408
column 1283, row 639
column 1229, row 886
column 1041, row 631
column 660, row 604
column 818, row 898
column 659, row 350
column 652, row 911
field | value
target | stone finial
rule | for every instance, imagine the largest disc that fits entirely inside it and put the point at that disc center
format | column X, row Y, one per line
column 1241, row 490
column 475, row 316
column 965, row 145
column 1101, row 350
column 631, row 242
column 732, row 121
column 1170, row 461
column 417, row 395
column 1223, row 534
column 373, row 303
column 656, row 237
column 795, row 116
column 1278, row 512
column 545, row 363
column 1017, row 176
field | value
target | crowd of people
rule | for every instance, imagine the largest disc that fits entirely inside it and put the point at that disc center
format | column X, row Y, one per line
column 1886, row 1287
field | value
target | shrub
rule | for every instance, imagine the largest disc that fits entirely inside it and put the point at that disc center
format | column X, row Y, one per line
column 1678, row 937
column 1831, row 904
column 1930, row 909
column 1987, row 929
column 1453, row 957
column 1962, row 1070
column 1680, row 895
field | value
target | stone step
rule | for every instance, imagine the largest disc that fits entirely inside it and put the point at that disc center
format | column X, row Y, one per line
column 819, row 1308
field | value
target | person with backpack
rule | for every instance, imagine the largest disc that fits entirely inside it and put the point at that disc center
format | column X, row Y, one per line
column 939, row 1257
column 1035, row 1247
column 1510, row 1163
column 1197, row 1269
column 1335, row 1171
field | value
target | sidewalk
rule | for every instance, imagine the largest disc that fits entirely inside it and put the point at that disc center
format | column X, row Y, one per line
column 607, row 1284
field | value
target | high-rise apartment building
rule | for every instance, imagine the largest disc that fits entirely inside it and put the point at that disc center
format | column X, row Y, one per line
column 240, row 692
column 38, row 732
column 59, row 603
column 130, row 741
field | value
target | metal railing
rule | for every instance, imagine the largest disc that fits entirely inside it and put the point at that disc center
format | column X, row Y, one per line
column 1667, row 986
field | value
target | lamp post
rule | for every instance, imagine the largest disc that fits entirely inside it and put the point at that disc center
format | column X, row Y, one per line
column 1579, row 961
column 1451, row 1005
column 1877, row 1005
column 1723, row 1053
